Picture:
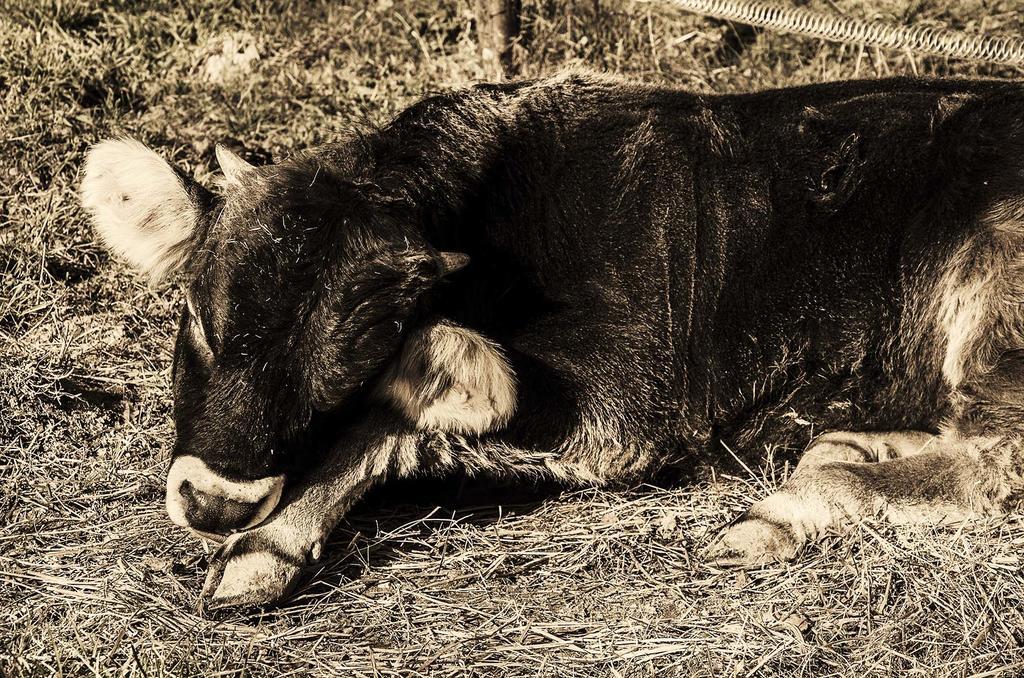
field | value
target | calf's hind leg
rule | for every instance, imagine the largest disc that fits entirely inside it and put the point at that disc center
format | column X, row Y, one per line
column 903, row 476
column 973, row 469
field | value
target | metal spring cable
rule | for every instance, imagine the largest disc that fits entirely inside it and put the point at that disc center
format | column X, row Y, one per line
column 944, row 42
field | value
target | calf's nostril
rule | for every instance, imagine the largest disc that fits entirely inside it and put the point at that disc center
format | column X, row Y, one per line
column 211, row 513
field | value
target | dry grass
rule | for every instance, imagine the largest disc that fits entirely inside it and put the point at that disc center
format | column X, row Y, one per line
column 94, row 579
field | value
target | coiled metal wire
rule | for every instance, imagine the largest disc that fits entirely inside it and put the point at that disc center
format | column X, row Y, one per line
column 1004, row 49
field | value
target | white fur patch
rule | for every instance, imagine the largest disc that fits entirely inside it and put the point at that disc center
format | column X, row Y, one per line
column 138, row 204
column 204, row 479
column 962, row 310
column 452, row 379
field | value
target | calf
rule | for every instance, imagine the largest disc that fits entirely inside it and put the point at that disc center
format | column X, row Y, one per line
column 585, row 279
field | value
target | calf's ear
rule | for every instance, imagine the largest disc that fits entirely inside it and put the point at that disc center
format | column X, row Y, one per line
column 449, row 378
column 144, row 210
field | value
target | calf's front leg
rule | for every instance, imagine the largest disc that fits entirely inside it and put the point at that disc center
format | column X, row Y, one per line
column 261, row 565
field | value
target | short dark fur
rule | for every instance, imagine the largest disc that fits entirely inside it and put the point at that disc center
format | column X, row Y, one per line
column 682, row 268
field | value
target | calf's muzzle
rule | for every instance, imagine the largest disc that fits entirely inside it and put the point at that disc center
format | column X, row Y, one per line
column 213, row 505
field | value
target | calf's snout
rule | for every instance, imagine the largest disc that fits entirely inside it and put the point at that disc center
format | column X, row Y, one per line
column 211, row 504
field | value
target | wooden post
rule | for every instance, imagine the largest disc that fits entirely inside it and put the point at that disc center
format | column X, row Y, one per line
column 497, row 26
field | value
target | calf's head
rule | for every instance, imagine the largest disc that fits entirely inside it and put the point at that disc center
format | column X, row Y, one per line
column 298, row 286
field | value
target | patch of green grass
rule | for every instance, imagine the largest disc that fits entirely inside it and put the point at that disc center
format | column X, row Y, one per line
column 94, row 579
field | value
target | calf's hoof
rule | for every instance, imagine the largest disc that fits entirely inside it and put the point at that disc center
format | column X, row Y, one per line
column 753, row 542
column 252, row 569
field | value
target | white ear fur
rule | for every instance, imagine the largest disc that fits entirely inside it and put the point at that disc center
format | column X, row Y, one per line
column 231, row 164
column 453, row 379
column 139, row 205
